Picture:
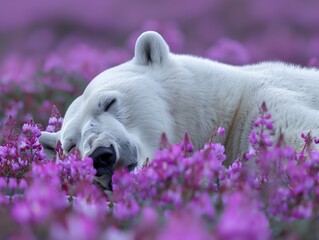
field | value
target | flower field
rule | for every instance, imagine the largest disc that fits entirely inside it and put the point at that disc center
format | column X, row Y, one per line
column 271, row 192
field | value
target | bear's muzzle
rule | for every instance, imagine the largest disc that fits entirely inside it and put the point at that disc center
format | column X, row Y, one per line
column 104, row 159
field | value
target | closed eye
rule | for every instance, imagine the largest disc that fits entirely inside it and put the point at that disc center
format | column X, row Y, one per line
column 71, row 148
column 109, row 104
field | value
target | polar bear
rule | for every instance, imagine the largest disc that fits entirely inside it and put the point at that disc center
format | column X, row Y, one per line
column 121, row 115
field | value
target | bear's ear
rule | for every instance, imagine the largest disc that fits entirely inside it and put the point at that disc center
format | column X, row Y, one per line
column 151, row 48
column 49, row 140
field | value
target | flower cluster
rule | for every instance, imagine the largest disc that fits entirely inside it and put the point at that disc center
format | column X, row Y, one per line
column 181, row 192
column 73, row 169
column 19, row 152
column 176, row 177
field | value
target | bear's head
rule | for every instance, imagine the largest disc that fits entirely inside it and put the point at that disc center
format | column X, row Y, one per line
column 121, row 115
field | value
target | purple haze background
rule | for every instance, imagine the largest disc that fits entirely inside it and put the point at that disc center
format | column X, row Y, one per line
column 50, row 50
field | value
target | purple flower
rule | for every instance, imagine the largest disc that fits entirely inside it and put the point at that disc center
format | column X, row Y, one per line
column 118, row 234
column 90, row 202
column 203, row 205
column 239, row 218
column 23, row 184
column 220, row 131
column 3, row 183
column 55, row 121
column 21, row 213
column 4, row 199
column 73, row 169
column 47, row 173
column 30, row 146
column 184, row 226
column 12, row 184
column 40, row 203
column 75, row 227
column 126, row 209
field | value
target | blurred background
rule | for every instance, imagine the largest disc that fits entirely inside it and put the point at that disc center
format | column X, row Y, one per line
column 50, row 50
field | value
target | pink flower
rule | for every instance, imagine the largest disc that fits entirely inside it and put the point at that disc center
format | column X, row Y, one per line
column 220, row 131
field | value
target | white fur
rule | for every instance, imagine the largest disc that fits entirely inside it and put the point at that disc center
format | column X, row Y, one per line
column 158, row 91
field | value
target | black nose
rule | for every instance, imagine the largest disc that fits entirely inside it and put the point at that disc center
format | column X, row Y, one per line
column 103, row 160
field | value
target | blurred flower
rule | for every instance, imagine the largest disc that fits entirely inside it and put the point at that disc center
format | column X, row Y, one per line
column 183, row 226
column 314, row 63
column 229, row 51
column 16, row 71
column 12, row 183
column 118, row 234
column 242, row 219
column 203, row 205
column 220, row 131
column 75, row 227
column 126, row 209
column 81, row 58
column 90, row 202
column 40, row 203
column 3, row 183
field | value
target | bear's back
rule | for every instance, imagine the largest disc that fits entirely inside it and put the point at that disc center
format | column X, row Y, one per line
column 299, row 80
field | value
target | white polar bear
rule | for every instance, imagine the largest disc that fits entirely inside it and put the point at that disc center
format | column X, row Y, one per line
column 119, row 118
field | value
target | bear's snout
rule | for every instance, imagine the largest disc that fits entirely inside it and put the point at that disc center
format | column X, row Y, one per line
column 104, row 159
